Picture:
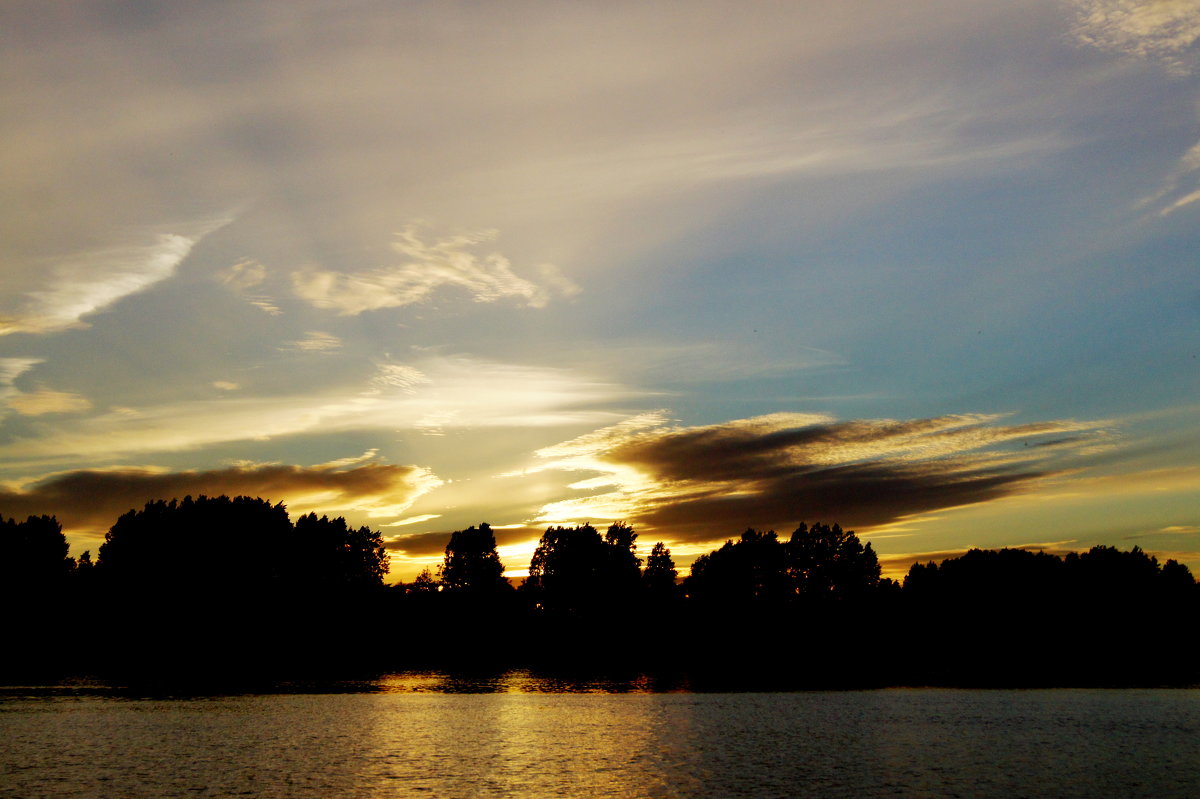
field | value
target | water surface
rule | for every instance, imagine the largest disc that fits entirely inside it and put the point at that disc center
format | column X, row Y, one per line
column 520, row 736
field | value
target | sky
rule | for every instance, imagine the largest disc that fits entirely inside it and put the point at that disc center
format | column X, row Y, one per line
column 927, row 270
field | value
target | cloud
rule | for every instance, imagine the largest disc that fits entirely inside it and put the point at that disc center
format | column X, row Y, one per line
column 1165, row 30
column 401, row 376
column 90, row 500
column 1170, row 529
column 429, row 544
column 1175, row 192
column 693, row 484
column 432, row 394
column 447, row 262
column 38, row 402
column 245, row 275
column 92, row 281
column 45, row 401
column 10, row 370
column 314, row 341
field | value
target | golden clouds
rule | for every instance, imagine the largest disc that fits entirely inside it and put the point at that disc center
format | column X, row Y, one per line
column 91, row 500
column 701, row 483
column 432, row 395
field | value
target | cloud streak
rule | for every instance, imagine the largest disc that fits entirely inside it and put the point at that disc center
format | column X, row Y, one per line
column 47, row 401
column 92, row 281
column 90, row 500
column 705, row 483
column 430, row 395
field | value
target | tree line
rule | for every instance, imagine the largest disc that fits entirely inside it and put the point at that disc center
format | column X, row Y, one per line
column 233, row 586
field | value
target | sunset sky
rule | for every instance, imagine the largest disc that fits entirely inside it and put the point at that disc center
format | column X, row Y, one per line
column 927, row 269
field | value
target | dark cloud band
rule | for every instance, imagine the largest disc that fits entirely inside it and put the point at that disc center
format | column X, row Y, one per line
column 93, row 499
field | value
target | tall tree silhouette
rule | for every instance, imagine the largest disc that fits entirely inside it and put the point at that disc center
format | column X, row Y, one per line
column 566, row 568
column 622, row 570
column 574, row 568
column 472, row 564
column 659, row 580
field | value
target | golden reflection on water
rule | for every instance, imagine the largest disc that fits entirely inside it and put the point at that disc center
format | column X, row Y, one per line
column 513, row 738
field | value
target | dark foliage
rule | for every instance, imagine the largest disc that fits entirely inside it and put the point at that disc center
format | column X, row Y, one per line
column 171, row 547
column 472, row 564
column 816, row 563
column 660, row 578
column 328, row 553
column 229, row 586
column 1105, row 616
column 574, row 569
column 33, row 554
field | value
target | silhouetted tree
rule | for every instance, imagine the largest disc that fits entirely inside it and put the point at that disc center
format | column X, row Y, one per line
column 472, row 564
column 425, row 583
column 181, row 546
column 753, row 568
column 1177, row 578
column 830, row 562
column 567, row 568
column 328, row 552
column 218, row 544
column 33, row 554
column 622, row 570
column 659, row 580
column 576, row 569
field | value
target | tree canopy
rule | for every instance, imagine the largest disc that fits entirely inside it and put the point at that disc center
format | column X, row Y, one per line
column 235, row 579
column 818, row 562
column 237, row 543
column 575, row 569
column 32, row 553
column 472, row 564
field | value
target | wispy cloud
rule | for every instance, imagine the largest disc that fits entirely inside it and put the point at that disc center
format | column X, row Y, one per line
column 1166, row 30
column 10, row 370
column 1179, row 188
column 92, row 281
column 91, row 500
column 424, row 545
column 47, row 401
column 40, row 400
column 245, row 275
column 398, row 375
column 426, row 268
column 704, row 483
column 1169, row 530
column 314, row 341
column 444, row 392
